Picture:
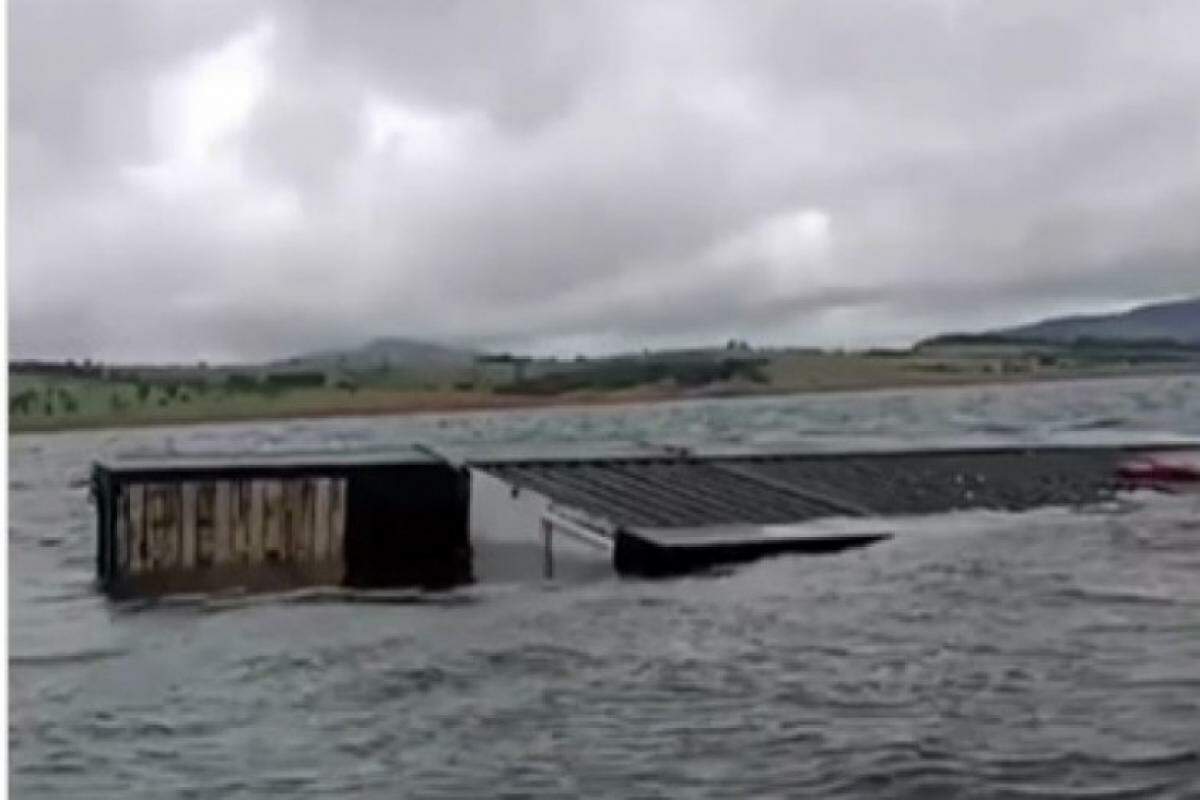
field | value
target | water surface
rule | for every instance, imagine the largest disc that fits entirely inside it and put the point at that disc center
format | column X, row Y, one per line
column 979, row 655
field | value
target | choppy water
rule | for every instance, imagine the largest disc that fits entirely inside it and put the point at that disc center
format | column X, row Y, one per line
column 1054, row 654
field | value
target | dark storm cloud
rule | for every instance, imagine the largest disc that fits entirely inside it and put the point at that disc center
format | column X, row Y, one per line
column 233, row 179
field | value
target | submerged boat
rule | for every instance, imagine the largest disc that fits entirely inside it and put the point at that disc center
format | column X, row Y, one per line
column 1176, row 471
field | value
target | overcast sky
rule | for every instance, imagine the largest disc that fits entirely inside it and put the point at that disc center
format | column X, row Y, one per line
column 243, row 179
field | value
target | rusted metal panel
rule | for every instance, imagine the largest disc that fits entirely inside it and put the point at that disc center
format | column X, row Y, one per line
column 241, row 522
column 120, row 534
column 135, row 534
column 293, row 528
column 187, row 531
column 251, row 493
column 337, row 519
column 302, row 545
column 222, row 523
column 206, row 523
column 163, row 526
column 321, row 518
column 272, row 520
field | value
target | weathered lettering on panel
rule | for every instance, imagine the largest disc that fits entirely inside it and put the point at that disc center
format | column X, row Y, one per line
column 166, row 532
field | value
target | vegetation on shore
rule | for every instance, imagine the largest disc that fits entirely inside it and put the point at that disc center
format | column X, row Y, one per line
column 46, row 396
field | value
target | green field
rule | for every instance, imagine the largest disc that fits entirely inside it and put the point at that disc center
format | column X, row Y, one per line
column 55, row 402
column 56, row 397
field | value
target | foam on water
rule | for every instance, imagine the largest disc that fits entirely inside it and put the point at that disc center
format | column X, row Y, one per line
column 1048, row 654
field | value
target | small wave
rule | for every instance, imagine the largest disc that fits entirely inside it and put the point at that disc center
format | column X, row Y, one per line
column 66, row 658
column 1098, row 424
column 1105, row 792
column 1153, row 758
column 1134, row 596
column 1017, row 761
column 75, row 560
column 996, row 428
column 378, row 596
column 1189, row 683
column 67, row 593
column 538, row 658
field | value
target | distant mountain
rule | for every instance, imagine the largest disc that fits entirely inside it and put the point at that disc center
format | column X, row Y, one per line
column 394, row 352
column 1178, row 320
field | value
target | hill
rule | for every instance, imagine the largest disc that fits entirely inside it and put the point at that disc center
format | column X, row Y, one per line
column 1178, row 321
column 386, row 352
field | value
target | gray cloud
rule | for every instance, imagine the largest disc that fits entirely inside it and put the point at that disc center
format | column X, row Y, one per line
column 246, row 179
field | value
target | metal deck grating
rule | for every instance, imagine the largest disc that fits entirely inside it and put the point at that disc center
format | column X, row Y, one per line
column 662, row 494
column 932, row 483
column 688, row 491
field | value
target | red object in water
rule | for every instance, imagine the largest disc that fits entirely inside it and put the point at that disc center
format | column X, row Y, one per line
column 1158, row 471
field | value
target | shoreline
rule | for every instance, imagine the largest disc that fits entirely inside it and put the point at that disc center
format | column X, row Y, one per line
column 416, row 405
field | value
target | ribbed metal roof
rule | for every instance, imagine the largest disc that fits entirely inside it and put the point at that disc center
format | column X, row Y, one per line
column 686, row 491
column 931, row 482
column 666, row 493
